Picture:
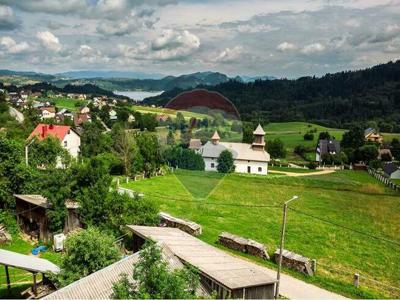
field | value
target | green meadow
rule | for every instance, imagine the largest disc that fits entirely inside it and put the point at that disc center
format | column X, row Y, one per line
column 348, row 199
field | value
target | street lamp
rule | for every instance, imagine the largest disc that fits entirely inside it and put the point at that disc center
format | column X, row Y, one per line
column 278, row 276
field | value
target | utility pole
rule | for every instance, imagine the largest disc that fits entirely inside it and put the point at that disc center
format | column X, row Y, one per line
column 278, row 276
column 27, row 151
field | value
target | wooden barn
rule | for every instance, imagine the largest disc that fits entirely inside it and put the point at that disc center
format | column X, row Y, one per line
column 33, row 220
column 32, row 217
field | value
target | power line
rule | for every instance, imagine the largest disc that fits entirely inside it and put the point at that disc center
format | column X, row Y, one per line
column 213, row 203
column 345, row 227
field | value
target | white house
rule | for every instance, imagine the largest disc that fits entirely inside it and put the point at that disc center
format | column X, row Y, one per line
column 248, row 158
column 48, row 112
column 67, row 136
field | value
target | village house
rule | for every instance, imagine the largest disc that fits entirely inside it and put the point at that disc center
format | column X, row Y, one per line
column 160, row 118
column 68, row 137
column 81, row 118
column 84, row 110
column 112, row 114
column 392, row 170
column 48, row 112
column 195, row 144
column 372, row 135
column 326, row 147
column 385, row 154
column 248, row 158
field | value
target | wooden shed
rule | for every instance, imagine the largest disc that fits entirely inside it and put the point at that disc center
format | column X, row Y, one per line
column 227, row 275
column 32, row 217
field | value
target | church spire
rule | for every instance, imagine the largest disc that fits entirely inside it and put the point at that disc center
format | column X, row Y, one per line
column 215, row 138
column 258, row 141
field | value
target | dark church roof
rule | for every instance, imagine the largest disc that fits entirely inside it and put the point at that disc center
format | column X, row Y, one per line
column 328, row 146
column 390, row 168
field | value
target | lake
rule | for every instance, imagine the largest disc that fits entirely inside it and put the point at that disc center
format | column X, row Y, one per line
column 138, row 95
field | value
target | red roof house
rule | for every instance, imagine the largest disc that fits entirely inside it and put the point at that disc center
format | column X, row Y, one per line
column 44, row 130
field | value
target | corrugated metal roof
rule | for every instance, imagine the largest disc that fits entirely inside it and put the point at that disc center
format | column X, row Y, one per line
column 99, row 285
column 27, row 262
column 228, row 270
column 38, row 200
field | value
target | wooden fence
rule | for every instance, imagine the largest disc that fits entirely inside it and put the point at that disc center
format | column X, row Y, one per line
column 384, row 179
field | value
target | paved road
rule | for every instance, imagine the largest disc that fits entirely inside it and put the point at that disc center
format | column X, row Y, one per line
column 16, row 114
column 301, row 174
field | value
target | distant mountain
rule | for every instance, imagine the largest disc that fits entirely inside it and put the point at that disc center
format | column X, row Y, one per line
column 254, row 78
column 163, row 84
column 28, row 74
column 109, row 74
column 334, row 100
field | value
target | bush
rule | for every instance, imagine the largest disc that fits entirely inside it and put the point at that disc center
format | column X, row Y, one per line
column 152, row 279
column 9, row 221
column 300, row 149
column 375, row 164
column 309, row 136
column 312, row 165
column 276, row 148
column 86, row 252
column 225, row 162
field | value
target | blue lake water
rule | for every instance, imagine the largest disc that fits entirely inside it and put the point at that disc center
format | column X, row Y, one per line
column 138, row 95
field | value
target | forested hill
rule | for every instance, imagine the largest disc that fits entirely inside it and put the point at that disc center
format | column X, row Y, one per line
column 334, row 100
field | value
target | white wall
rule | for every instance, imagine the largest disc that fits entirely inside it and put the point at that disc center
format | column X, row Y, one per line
column 73, row 143
column 241, row 166
column 395, row 175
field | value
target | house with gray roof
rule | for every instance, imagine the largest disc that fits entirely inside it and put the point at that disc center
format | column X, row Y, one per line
column 392, row 170
column 248, row 158
column 325, row 147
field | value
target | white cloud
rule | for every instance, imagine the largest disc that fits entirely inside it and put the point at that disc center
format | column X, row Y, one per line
column 11, row 46
column 49, row 40
column 174, row 44
column 229, row 55
column 313, row 48
column 286, row 46
column 8, row 20
column 252, row 28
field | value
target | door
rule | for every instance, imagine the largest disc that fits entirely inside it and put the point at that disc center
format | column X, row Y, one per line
column 248, row 169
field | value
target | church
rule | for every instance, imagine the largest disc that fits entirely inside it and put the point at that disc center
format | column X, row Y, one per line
column 248, row 158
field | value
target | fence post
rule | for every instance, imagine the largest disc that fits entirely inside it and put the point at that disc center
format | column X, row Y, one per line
column 356, row 280
column 117, row 182
column 127, row 179
column 314, row 265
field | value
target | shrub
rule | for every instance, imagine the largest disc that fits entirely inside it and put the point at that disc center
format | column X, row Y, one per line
column 225, row 162
column 312, row 165
column 276, row 148
column 308, row 136
column 152, row 279
column 86, row 252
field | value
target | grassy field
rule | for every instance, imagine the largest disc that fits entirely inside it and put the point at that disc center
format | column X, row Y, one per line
column 169, row 112
column 65, row 102
column 20, row 279
column 350, row 199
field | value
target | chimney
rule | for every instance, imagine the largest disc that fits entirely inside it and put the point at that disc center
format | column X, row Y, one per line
column 51, row 126
column 44, row 131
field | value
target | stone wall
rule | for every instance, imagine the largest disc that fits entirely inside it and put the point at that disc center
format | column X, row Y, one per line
column 167, row 220
column 295, row 262
column 242, row 244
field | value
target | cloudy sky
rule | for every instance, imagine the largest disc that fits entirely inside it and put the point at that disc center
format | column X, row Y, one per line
column 284, row 38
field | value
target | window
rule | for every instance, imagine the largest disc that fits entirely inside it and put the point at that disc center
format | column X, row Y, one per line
column 65, row 143
column 212, row 165
column 248, row 169
column 259, row 169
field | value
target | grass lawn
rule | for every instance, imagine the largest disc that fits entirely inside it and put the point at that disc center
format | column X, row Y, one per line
column 65, row 102
column 292, row 170
column 20, row 279
column 351, row 199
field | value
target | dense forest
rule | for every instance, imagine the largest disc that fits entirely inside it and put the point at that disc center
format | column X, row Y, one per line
column 370, row 96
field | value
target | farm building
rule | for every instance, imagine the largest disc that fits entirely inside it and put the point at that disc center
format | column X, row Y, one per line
column 372, row 135
column 248, row 158
column 33, row 220
column 392, row 170
column 68, row 137
column 99, row 285
column 227, row 275
column 326, row 147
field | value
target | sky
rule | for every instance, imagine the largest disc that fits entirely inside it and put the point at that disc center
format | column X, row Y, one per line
column 282, row 38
